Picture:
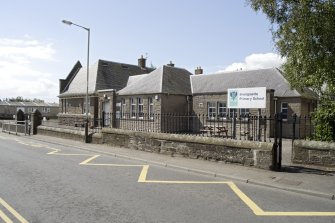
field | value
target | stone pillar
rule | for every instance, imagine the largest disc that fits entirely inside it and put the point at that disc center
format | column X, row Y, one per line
column 113, row 109
column 36, row 120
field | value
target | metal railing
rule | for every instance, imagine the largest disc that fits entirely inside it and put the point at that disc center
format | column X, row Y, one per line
column 16, row 127
column 305, row 127
column 247, row 127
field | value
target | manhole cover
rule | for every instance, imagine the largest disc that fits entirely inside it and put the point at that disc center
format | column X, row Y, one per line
column 288, row 182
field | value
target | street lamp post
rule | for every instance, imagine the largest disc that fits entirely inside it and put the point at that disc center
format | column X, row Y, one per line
column 87, row 75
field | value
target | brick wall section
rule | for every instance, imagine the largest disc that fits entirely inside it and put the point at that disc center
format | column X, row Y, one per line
column 313, row 152
column 246, row 153
column 176, row 104
column 165, row 104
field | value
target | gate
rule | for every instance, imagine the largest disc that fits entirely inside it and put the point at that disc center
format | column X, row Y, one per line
column 16, row 127
column 277, row 145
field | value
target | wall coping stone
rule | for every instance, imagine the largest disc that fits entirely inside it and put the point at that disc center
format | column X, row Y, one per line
column 70, row 115
column 314, row 145
column 69, row 131
column 254, row 145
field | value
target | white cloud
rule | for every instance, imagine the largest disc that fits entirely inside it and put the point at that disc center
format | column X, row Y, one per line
column 20, row 72
column 256, row 61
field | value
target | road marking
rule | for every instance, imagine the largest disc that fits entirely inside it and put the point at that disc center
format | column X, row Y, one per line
column 57, row 152
column 5, row 218
column 89, row 160
column 252, row 205
column 297, row 214
column 12, row 211
column 143, row 175
column 143, row 179
column 144, row 172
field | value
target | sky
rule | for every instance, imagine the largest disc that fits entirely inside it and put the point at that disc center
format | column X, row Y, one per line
column 37, row 49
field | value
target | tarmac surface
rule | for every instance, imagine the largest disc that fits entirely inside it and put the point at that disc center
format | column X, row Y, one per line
column 312, row 180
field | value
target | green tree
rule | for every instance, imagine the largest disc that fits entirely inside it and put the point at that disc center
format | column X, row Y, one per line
column 304, row 33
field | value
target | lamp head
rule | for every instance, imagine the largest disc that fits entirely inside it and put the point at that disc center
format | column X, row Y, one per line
column 67, row 22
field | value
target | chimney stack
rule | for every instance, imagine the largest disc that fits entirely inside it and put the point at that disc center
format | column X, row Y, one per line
column 198, row 71
column 170, row 64
column 141, row 62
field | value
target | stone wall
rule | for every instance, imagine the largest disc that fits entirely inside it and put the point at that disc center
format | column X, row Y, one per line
column 73, row 119
column 313, row 152
column 68, row 134
column 258, row 154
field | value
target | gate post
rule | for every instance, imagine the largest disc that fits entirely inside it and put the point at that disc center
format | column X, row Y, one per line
column 103, row 119
column 277, row 145
column 36, row 120
column 280, row 119
column 293, row 127
column 234, row 125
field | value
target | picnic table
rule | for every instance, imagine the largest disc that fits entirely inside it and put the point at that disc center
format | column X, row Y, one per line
column 214, row 130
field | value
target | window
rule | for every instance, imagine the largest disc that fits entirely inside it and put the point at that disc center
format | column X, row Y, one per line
column 232, row 112
column 244, row 112
column 222, row 107
column 133, row 107
column 123, row 107
column 45, row 110
column 211, row 106
column 140, row 107
column 151, row 107
column 284, row 110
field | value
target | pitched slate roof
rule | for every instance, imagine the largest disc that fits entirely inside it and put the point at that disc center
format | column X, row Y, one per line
column 102, row 75
column 166, row 79
column 271, row 78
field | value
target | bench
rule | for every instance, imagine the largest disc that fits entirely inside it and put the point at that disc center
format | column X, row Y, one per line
column 222, row 130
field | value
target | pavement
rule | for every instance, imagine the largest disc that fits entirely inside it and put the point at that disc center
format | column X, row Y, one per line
column 312, row 180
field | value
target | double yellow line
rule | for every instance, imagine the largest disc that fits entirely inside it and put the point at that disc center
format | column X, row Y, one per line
column 11, row 210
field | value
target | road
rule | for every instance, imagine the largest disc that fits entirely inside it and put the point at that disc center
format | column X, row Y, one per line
column 46, row 182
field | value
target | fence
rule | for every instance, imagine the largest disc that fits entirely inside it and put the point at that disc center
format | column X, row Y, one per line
column 12, row 126
column 246, row 127
column 304, row 127
column 257, row 128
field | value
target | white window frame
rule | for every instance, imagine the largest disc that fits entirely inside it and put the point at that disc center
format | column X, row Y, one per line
column 232, row 111
column 132, row 108
column 222, row 110
column 140, row 107
column 123, row 107
column 211, row 110
column 244, row 111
